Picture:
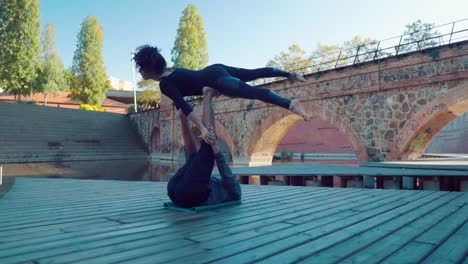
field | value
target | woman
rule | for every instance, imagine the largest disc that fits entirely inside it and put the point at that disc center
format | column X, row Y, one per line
column 178, row 82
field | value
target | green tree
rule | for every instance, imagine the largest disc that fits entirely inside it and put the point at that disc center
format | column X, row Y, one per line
column 190, row 47
column 70, row 78
column 88, row 65
column 419, row 35
column 295, row 59
column 150, row 97
column 360, row 49
column 20, row 48
column 52, row 77
column 325, row 57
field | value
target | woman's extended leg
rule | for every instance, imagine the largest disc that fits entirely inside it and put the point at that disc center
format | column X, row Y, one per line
column 248, row 75
column 235, row 87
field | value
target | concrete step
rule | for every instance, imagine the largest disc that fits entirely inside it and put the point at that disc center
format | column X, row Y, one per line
column 76, row 150
column 122, row 145
column 34, row 133
column 38, row 121
column 40, row 136
column 76, row 158
column 39, row 109
column 67, row 142
column 67, row 154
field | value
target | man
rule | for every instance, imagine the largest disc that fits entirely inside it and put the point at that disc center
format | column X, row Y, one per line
column 192, row 185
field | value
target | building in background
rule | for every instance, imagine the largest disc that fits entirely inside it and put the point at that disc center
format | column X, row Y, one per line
column 118, row 98
column 121, row 91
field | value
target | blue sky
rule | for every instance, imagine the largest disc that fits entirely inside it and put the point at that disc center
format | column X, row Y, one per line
column 242, row 33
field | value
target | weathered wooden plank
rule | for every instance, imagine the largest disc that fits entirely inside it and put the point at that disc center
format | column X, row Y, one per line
column 38, row 241
column 442, row 229
column 335, row 170
column 375, row 244
column 30, row 223
column 294, row 249
column 287, row 216
column 270, row 220
column 46, row 231
column 251, row 244
column 453, row 250
column 257, row 202
column 420, row 164
column 335, row 232
column 407, row 254
column 351, row 205
column 428, row 243
column 52, row 244
column 116, row 252
column 139, row 250
column 65, row 212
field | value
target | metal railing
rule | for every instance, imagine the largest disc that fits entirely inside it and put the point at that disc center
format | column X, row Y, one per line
column 431, row 37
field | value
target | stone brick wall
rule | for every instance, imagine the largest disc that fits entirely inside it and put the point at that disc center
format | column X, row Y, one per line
column 145, row 123
column 387, row 110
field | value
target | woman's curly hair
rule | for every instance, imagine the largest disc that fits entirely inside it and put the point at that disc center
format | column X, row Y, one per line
column 147, row 57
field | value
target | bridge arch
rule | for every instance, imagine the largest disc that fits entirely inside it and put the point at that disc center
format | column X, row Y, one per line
column 269, row 134
column 417, row 133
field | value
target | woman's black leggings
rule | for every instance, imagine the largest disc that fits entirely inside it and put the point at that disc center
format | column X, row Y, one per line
column 231, row 81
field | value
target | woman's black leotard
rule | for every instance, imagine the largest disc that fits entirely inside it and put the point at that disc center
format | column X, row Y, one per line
column 227, row 80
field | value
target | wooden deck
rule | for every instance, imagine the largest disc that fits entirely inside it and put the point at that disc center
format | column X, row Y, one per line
column 90, row 221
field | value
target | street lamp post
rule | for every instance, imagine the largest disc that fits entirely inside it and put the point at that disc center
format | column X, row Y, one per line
column 134, row 82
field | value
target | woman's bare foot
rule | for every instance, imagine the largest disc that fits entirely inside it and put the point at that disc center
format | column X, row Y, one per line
column 296, row 77
column 297, row 108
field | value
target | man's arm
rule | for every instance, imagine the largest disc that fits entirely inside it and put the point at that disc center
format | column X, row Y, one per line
column 172, row 92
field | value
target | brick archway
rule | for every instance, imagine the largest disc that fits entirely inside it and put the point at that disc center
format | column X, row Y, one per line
column 272, row 130
column 414, row 137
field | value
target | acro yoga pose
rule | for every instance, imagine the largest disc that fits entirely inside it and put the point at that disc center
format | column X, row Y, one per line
column 178, row 82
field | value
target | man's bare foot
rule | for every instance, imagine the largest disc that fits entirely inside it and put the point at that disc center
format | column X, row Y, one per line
column 296, row 77
column 297, row 108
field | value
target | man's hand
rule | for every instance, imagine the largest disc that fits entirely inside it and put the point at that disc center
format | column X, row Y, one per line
column 207, row 136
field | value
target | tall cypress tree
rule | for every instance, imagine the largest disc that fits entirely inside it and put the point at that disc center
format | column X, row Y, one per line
column 20, row 47
column 91, row 82
column 52, row 77
column 190, row 47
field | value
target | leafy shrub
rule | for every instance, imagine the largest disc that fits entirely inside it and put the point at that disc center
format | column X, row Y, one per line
column 89, row 107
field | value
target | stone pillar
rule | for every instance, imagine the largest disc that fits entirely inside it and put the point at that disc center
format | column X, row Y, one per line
column 408, row 183
column 368, row 181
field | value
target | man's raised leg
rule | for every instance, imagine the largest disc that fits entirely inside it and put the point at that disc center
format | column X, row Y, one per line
column 229, row 181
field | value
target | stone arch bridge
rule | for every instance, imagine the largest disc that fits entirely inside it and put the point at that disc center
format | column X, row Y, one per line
column 388, row 109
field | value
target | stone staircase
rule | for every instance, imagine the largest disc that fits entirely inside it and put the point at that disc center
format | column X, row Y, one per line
column 32, row 133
